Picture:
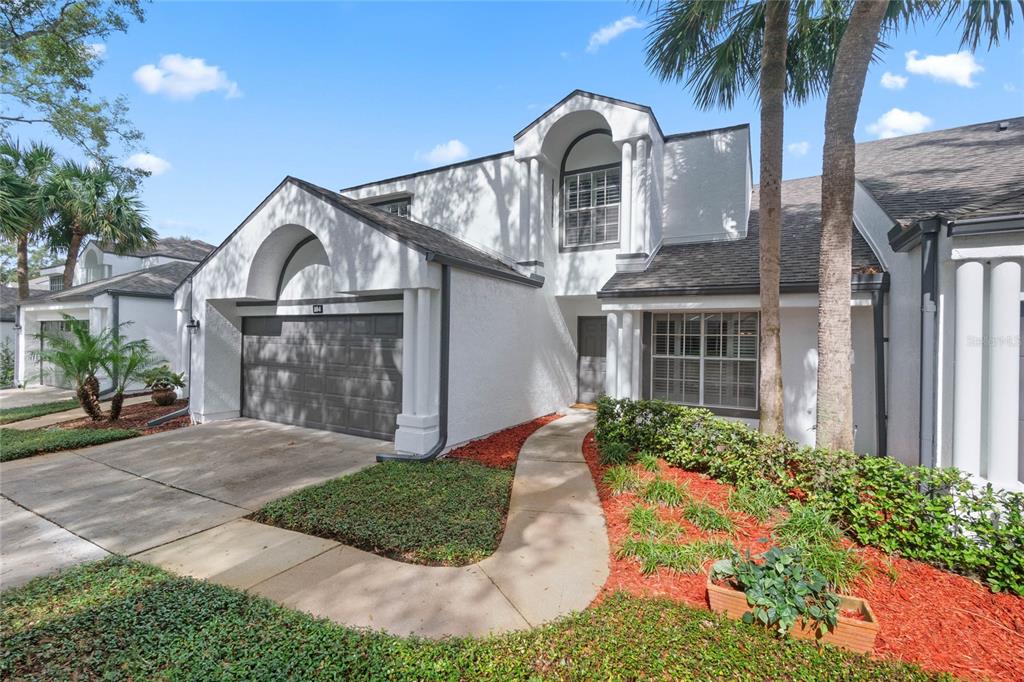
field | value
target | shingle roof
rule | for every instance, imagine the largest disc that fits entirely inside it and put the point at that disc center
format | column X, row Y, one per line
column 158, row 281
column 171, row 247
column 732, row 266
column 436, row 244
column 947, row 172
column 9, row 301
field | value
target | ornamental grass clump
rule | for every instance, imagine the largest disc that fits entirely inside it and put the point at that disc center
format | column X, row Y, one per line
column 622, row 479
column 661, row 491
column 681, row 558
column 644, row 522
column 706, row 517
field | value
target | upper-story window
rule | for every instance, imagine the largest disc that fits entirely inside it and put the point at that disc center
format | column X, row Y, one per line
column 399, row 207
column 591, row 207
column 590, row 192
column 56, row 282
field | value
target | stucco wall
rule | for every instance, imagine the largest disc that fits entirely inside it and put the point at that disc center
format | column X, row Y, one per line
column 512, row 358
column 152, row 319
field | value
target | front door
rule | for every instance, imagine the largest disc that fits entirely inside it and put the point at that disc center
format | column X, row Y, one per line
column 591, row 342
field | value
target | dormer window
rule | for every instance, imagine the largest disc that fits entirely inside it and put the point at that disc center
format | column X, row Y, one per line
column 56, row 282
column 590, row 215
column 399, row 207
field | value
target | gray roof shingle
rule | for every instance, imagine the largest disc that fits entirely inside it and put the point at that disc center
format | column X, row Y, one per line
column 158, row 281
column 732, row 266
column 171, row 247
column 9, row 301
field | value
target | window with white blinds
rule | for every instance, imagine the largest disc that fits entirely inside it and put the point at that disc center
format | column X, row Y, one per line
column 590, row 207
column 399, row 207
column 705, row 359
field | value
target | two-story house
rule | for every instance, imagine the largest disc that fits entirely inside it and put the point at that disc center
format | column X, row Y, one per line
column 599, row 255
column 109, row 289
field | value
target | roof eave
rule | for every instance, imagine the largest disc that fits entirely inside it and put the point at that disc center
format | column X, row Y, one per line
column 858, row 283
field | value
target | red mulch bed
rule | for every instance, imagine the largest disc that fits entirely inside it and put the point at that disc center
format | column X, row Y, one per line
column 938, row 620
column 500, row 450
column 135, row 417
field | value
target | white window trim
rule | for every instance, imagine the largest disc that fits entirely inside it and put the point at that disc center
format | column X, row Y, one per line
column 702, row 358
column 563, row 201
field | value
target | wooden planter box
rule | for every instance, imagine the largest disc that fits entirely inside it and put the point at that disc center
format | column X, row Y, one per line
column 850, row 633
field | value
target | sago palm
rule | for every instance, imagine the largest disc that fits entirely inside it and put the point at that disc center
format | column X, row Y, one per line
column 79, row 356
column 91, row 201
column 23, row 212
column 125, row 362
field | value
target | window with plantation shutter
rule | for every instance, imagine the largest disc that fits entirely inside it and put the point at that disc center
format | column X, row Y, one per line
column 590, row 207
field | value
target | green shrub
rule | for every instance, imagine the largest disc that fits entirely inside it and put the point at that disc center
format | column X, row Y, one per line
column 780, row 590
column 622, row 479
column 644, row 522
column 660, row 491
column 759, row 500
column 706, row 517
column 685, row 558
column 15, row 444
column 648, row 462
column 614, row 452
column 933, row 515
column 840, row 565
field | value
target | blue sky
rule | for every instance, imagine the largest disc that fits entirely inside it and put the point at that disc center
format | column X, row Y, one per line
column 340, row 94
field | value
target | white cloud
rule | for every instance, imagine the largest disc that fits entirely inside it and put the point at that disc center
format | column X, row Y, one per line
column 1009, row 87
column 607, row 34
column 896, row 122
column 893, row 81
column 957, row 68
column 98, row 50
column 151, row 163
column 799, row 148
column 180, row 77
column 447, row 152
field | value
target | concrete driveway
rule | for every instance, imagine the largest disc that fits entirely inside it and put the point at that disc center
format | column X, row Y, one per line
column 33, row 395
column 130, row 496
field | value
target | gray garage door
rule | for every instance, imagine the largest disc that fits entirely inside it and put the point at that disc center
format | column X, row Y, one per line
column 338, row 373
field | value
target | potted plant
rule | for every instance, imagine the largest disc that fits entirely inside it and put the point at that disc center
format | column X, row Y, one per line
column 781, row 593
column 163, row 382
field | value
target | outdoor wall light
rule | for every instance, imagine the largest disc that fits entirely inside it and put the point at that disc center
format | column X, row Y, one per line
column 192, row 326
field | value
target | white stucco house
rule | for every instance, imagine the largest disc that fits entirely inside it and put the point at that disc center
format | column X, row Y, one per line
column 602, row 255
column 109, row 289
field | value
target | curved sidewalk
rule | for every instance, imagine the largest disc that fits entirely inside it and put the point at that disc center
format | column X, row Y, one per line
column 552, row 560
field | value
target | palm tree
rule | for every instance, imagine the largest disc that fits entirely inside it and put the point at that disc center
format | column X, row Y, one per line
column 725, row 49
column 860, row 40
column 23, row 175
column 125, row 362
column 91, row 201
column 78, row 356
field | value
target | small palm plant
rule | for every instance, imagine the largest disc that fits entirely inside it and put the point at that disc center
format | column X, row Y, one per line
column 79, row 356
column 125, row 362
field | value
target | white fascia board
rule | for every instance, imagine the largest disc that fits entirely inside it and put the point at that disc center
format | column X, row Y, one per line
column 729, row 302
column 988, row 252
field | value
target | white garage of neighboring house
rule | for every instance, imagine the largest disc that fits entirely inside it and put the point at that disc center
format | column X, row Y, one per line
column 601, row 255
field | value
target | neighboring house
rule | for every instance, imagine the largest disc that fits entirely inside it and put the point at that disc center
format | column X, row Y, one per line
column 600, row 255
column 110, row 289
column 9, row 312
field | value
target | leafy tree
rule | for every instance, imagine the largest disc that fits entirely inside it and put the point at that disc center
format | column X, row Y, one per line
column 869, row 20
column 125, row 362
column 48, row 55
column 79, row 356
column 39, row 257
column 769, row 50
column 92, row 201
column 23, row 175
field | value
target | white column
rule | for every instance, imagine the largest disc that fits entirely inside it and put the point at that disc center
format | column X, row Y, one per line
column 968, row 349
column 536, row 210
column 409, row 351
column 626, row 356
column 641, row 183
column 423, row 344
column 611, row 360
column 637, row 355
column 626, row 199
column 1003, row 372
column 524, row 210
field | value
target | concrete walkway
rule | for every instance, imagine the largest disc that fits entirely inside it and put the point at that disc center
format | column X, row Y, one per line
column 67, row 415
column 32, row 395
column 552, row 560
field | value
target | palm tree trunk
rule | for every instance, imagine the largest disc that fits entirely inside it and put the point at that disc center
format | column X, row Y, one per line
column 92, row 406
column 773, row 92
column 835, row 373
column 116, row 402
column 23, row 267
column 73, row 248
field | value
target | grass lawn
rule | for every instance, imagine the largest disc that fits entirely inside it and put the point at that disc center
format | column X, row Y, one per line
column 17, row 414
column 15, row 444
column 117, row 619
column 447, row 512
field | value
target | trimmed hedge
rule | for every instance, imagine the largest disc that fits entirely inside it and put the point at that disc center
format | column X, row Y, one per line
column 932, row 515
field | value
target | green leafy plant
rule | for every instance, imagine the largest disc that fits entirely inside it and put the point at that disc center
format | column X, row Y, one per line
column 6, row 364
column 648, row 462
column 780, row 590
column 757, row 499
column 125, row 362
column 17, row 444
column 614, row 452
column 161, row 378
column 660, row 491
column 644, row 522
column 681, row 558
column 17, row 414
column 78, row 356
column 706, row 517
column 622, row 479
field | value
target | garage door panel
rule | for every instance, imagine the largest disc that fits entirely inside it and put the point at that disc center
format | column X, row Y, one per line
column 336, row 373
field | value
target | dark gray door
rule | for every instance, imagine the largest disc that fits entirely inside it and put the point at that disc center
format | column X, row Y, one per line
column 592, row 349
column 340, row 373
